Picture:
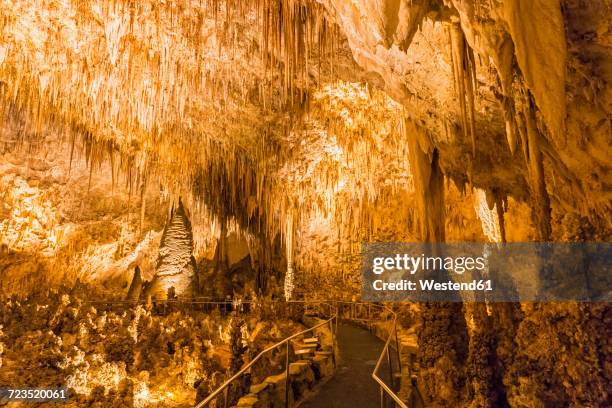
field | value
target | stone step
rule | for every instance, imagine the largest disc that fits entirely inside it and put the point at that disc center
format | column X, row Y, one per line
column 298, row 367
column 276, row 379
column 257, row 388
column 311, row 340
column 307, row 345
column 275, row 392
column 248, row 401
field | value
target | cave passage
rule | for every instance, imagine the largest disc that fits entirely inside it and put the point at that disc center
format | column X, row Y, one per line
column 185, row 185
column 351, row 385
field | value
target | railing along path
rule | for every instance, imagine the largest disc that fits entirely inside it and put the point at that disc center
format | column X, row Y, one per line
column 359, row 312
column 224, row 388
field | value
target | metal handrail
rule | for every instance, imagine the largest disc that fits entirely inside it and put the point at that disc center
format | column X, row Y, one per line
column 384, row 387
column 286, row 341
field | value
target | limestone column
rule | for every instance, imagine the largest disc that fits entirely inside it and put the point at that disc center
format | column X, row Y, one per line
column 443, row 339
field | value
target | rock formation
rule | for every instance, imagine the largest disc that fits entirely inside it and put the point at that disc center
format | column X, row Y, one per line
column 176, row 269
column 136, row 285
column 309, row 127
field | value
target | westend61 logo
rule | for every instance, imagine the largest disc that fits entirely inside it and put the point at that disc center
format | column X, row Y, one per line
column 486, row 272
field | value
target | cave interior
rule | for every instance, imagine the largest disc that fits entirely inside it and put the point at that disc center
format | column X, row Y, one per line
column 185, row 183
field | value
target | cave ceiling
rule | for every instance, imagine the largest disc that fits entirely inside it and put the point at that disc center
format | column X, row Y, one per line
column 260, row 108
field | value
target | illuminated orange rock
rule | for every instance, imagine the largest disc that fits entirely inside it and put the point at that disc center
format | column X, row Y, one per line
column 135, row 287
column 175, row 266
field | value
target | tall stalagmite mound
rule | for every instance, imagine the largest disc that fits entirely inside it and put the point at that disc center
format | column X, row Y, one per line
column 175, row 266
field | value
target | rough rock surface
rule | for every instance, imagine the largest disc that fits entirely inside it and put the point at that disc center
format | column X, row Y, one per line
column 176, row 266
column 352, row 120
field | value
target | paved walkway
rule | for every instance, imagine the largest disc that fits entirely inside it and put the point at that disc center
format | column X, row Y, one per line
column 352, row 385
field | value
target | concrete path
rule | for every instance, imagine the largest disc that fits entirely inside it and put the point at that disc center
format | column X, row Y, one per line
column 352, row 385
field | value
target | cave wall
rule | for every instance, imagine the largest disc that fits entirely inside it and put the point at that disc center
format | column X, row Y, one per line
column 65, row 217
column 500, row 90
column 526, row 70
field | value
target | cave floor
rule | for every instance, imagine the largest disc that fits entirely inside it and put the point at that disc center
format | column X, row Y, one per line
column 352, row 384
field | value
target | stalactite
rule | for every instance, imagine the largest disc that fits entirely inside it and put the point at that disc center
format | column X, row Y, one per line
column 111, row 157
column 531, row 136
column 221, row 253
column 143, row 190
column 134, row 97
column 72, row 141
column 489, row 216
column 509, row 118
column 428, row 183
column 501, row 204
column 464, row 75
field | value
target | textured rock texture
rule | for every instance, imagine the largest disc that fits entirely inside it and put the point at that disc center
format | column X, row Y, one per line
column 176, row 267
column 520, row 51
column 135, row 289
column 308, row 127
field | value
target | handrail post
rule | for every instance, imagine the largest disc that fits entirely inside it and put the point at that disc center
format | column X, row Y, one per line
column 397, row 346
column 336, row 321
column 287, row 378
column 382, row 398
column 225, row 396
column 331, row 329
column 391, row 379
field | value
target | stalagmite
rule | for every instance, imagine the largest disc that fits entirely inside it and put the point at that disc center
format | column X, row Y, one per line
column 289, row 274
column 175, row 266
column 135, row 289
column 484, row 379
